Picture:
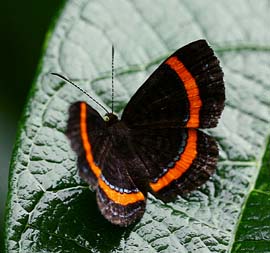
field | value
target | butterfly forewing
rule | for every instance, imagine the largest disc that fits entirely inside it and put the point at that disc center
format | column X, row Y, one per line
column 186, row 90
column 108, row 164
column 88, row 135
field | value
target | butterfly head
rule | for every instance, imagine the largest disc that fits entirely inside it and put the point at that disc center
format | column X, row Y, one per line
column 110, row 118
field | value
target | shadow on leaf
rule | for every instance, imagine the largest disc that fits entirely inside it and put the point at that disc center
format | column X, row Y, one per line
column 73, row 215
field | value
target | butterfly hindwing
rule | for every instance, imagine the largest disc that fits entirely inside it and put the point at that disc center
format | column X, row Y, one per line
column 121, row 193
column 178, row 160
column 121, row 206
column 157, row 148
column 190, row 169
column 186, row 90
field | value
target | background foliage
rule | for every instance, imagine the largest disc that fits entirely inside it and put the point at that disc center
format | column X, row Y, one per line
column 23, row 29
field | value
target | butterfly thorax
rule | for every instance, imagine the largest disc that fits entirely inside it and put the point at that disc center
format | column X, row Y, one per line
column 110, row 119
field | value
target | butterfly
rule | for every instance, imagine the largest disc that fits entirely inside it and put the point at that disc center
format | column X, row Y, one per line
column 156, row 146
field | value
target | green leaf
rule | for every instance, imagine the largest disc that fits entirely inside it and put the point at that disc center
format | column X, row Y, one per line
column 253, row 234
column 50, row 209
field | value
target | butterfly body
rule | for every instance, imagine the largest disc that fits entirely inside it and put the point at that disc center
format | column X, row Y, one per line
column 156, row 146
column 110, row 118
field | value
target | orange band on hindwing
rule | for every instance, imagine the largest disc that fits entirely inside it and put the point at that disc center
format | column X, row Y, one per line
column 86, row 143
column 118, row 197
column 182, row 165
column 191, row 88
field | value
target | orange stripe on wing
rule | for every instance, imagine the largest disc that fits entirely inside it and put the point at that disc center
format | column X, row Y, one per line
column 182, row 165
column 118, row 197
column 192, row 90
column 86, row 143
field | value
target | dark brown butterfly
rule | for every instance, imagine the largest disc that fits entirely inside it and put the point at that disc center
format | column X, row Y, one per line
column 156, row 146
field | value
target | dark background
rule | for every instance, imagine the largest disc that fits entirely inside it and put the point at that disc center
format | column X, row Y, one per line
column 23, row 28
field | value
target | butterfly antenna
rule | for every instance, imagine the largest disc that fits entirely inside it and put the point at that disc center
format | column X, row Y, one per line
column 83, row 91
column 112, row 76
